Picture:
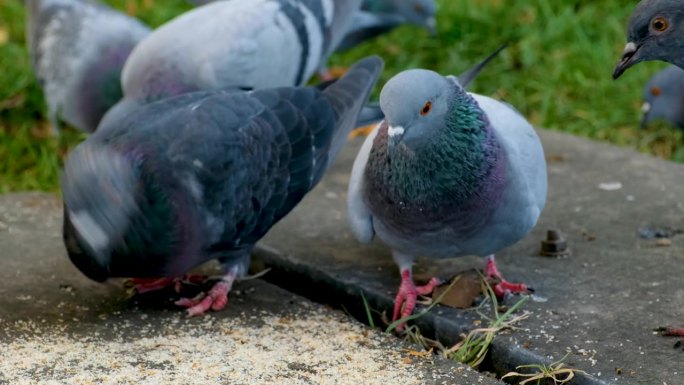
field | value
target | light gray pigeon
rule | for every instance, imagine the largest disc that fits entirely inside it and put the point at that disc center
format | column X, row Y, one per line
column 78, row 49
column 664, row 97
column 654, row 33
column 446, row 174
column 418, row 12
column 246, row 44
column 203, row 176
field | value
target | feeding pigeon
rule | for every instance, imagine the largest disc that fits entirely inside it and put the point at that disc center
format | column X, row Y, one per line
column 664, row 97
column 247, row 44
column 78, row 49
column 202, row 176
column 654, row 33
column 446, row 174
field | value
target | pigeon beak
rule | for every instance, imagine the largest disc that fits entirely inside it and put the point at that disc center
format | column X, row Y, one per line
column 431, row 26
column 395, row 134
column 645, row 109
column 629, row 58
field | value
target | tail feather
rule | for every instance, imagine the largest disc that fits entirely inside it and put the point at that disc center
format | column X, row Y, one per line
column 465, row 78
column 349, row 95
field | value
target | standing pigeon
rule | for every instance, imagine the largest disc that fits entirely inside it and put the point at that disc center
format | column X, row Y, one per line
column 78, row 49
column 664, row 97
column 654, row 33
column 202, row 176
column 247, row 44
column 446, row 174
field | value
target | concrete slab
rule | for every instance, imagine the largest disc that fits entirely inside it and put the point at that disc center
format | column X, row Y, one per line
column 603, row 301
column 57, row 327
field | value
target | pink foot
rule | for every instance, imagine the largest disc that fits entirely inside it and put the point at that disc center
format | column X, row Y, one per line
column 215, row 299
column 670, row 331
column 502, row 287
column 146, row 285
column 408, row 293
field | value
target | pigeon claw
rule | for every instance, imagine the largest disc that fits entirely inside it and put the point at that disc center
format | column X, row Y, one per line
column 500, row 286
column 215, row 299
column 670, row 331
column 408, row 294
column 503, row 288
column 146, row 285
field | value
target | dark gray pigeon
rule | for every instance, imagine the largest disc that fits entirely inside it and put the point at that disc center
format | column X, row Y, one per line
column 654, row 33
column 202, row 176
column 446, row 174
column 246, row 44
column 664, row 98
column 78, row 49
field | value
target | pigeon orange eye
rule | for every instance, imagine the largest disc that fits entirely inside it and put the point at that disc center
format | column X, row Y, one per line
column 659, row 24
column 419, row 8
column 656, row 91
column 427, row 107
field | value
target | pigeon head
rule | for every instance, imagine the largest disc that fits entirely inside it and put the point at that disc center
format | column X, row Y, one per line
column 98, row 187
column 654, row 33
column 417, row 105
column 664, row 97
column 420, row 12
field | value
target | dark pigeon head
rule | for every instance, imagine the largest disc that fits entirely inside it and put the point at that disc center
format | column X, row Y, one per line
column 98, row 188
column 664, row 97
column 654, row 33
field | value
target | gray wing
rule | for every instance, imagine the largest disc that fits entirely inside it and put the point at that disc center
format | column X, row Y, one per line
column 360, row 217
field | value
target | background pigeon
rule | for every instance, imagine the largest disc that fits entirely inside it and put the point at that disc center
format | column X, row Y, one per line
column 367, row 25
column 664, row 97
column 654, row 33
column 446, row 174
column 201, row 176
column 418, row 12
column 78, row 49
column 246, row 44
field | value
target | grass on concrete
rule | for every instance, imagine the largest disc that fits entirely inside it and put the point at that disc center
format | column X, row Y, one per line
column 556, row 372
column 557, row 72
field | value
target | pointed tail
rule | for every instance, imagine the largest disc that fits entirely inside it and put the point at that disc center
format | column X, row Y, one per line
column 465, row 78
column 349, row 95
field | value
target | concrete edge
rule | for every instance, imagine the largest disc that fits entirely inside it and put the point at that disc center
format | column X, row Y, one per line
column 321, row 286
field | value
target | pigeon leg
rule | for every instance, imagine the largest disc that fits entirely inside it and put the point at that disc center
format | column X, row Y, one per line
column 362, row 131
column 146, row 285
column 327, row 74
column 502, row 287
column 215, row 299
column 668, row 331
column 408, row 293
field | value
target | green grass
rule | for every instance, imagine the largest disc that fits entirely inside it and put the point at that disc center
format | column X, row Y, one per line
column 556, row 71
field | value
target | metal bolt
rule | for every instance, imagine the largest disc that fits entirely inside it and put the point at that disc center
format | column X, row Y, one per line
column 554, row 245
